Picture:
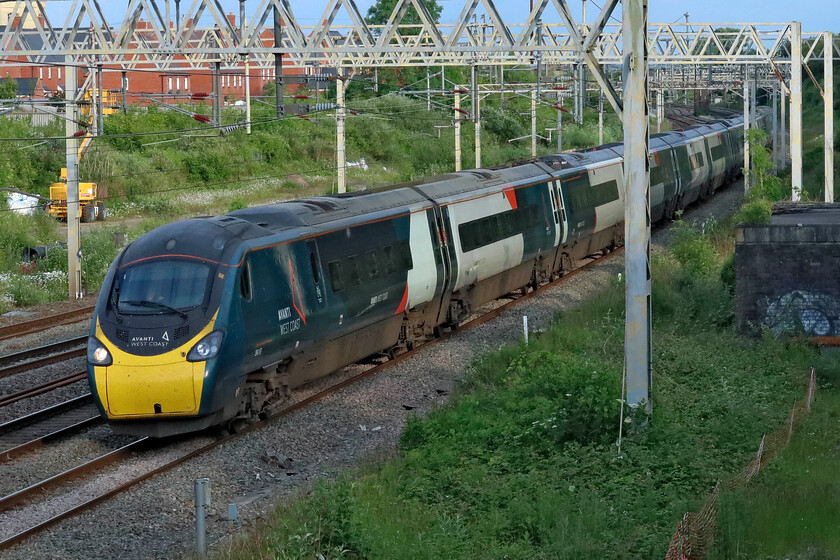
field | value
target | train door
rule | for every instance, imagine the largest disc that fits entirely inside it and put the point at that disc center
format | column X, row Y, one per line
column 444, row 246
column 559, row 212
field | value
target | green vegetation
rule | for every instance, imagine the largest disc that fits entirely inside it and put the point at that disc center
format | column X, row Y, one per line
column 8, row 88
column 161, row 164
column 792, row 509
column 523, row 462
column 767, row 188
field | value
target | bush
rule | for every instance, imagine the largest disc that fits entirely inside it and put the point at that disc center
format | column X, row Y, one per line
column 693, row 250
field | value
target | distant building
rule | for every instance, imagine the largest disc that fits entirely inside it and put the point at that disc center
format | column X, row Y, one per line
column 145, row 80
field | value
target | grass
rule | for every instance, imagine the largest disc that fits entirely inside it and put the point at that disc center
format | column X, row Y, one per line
column 792, row 509
column 523, row 462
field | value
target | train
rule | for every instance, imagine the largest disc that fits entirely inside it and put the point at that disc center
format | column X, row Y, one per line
column 212, row 321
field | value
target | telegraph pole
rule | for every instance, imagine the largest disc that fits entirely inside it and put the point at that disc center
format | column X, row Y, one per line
column 71, row 127
column 637, row 325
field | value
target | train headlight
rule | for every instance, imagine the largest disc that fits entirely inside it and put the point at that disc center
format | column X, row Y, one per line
column 97, row 354
column 207, row 348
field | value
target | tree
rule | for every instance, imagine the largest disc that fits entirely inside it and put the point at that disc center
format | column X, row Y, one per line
column 8, row 88
column 381, row 10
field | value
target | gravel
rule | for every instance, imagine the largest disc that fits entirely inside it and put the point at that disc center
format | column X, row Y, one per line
column 357, row 425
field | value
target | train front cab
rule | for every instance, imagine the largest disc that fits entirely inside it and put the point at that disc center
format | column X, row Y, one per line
column 155, row 347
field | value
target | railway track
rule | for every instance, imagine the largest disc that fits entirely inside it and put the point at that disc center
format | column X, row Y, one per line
column 18, row 362
column 36, row 430
column 26, row 494
column 41, row 389
column 44, row 323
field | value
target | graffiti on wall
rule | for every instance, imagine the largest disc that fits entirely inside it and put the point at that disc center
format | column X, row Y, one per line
column 801, row 311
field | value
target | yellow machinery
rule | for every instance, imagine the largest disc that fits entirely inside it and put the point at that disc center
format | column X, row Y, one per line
column 90, row 208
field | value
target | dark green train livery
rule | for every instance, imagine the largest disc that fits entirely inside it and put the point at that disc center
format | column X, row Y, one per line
column 213, row 320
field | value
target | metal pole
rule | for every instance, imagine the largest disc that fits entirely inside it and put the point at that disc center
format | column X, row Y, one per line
column 74, row 251
column 201, row 488
column 243, row 32
column 217, row 90
column 428, row 90
column 476, row 114
column 576, row 82
column 637, row 330
column 796, row 110
column 100, row 99
column 124, row 83
column 560, row 129
column 746, row 131
column 828, row 72
column 247, row 95
column 502, row 87
column 783, row 132
column 457, row 132
column 775, row 125
column 340, row 117
column 278, row 64
column 376, row 80
column 600, row 119
column 533, row 123
column 659, row 111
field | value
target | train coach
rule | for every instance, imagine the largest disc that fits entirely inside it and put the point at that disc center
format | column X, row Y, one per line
column 211, row 321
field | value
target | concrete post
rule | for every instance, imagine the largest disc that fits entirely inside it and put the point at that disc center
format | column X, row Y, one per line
column 217, row 93
column 340, row 117
column 74, row 246
column 660, row 111
column 533, row 123
column 796, row 110
column 746, row 131
column 502, row 87
column 637, row 330
column 457, row 132
column 376, row 80
column 828, row 102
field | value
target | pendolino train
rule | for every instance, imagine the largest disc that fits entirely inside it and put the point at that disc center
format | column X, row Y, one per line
column 213, row 320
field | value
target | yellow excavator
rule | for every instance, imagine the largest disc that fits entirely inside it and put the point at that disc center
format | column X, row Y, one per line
column 91, row 205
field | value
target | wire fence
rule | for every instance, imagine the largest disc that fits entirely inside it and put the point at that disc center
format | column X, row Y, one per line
column 696, row 530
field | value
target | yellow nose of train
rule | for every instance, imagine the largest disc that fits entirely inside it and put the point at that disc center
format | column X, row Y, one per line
column 140, row 387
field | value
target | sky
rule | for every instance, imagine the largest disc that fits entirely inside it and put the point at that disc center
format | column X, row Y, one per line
column 815, row 15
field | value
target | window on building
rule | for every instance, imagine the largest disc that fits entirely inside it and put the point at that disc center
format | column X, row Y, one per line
column 49, row 72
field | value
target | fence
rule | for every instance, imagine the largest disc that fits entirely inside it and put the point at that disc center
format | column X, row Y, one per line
column 696, row 530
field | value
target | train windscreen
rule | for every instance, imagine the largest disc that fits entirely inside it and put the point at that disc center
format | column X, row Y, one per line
column 161, row 286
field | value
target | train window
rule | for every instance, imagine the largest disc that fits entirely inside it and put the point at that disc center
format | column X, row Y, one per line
column 245, row 281
column 655, row 175
column 467, row 232
column 605, row 193
column 404, row 255
column 372, row 265
column 314, row 263
column 336, row 276
column 389, row 265
column 576, row 192
column 353, row 274
column 718, row 152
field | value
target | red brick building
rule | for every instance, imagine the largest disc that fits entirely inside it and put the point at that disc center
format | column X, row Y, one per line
column 146, row 80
